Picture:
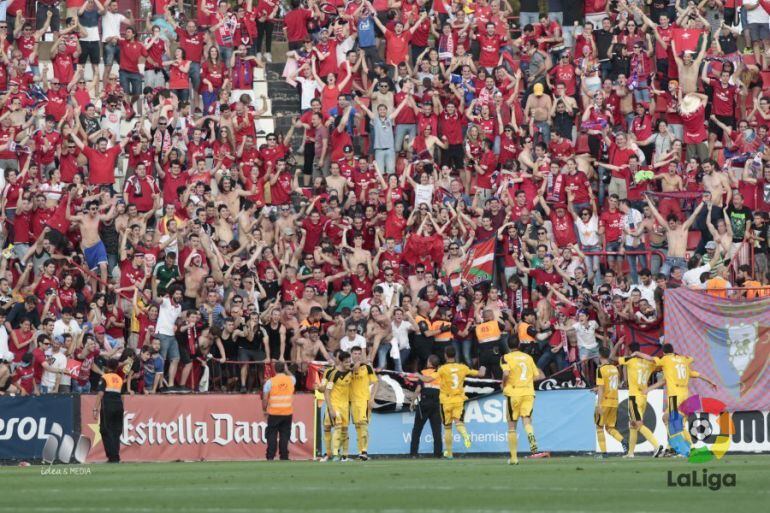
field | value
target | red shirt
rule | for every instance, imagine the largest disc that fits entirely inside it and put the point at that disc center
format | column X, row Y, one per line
column 451, row 127
column 565, row 74
column 695, row 126
column 147, row 187
column 723, row 99
column 291, row 290
column 563, row 229
column 22, row 228
column 489, row 49
column 296, row 24
column 130, row 53
column 191, row 44
column 397, row 47
column 613, row 225
column 101, row 166
column 395, row 226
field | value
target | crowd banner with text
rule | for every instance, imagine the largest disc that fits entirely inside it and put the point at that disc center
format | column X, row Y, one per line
column 730, row 342
column 27, row 422
column 198, row 427
column 563, row 421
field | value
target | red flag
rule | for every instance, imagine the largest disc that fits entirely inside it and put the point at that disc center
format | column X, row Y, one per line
column 480, row 262
column 686, row 39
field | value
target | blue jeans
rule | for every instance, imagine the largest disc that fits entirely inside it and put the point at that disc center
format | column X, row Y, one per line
column 130, row 82
column 208, row 98
column 401, row 131
column 169, row 347
column 195, row 75
column 226, row 52
column 549, row 356
column 545, row 129
column 80, row 389
column 672, row 262
column 386, row 160
column 633, row 260
column 382, row 355
column 642, row 92
column 526, row 18
column 404, row 356
column 593, row 264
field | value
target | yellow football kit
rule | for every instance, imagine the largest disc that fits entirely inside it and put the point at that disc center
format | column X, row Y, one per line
column 452, row 399
column 677, row 372
column 452, row 390
column 519, row 386
column 638, row 373
column 338, row 385
column 607, row 378
column 360, row 392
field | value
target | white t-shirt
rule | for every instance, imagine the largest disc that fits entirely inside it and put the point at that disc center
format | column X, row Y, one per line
column 691, row 278
column 167, row 316
column 588, row 232
column 648, row 292
column 401, row 333
column 758, row 15
column 111, row 24
column 346, row 344
column 586, row 335
column 59, row 362
column 632, row 218
column 111, row 121
column 60, row 328
column 308, row 86
column 3, row 340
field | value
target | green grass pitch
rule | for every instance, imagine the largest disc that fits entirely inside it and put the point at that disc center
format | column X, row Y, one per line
column 571, row 484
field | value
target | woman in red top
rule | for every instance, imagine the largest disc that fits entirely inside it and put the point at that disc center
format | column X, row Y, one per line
column 21, row 338
column 179, row 75
column 213, row 77
column 224, row 155
column 330, row 90
column 67, row 295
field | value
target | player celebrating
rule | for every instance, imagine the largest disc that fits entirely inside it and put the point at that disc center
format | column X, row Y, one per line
column 452, row 397
column 337, row 396
column 638, row 374
column 607, row 379
column 363, row 388
column 320, row 393
column 519, row 375
column 677, row 372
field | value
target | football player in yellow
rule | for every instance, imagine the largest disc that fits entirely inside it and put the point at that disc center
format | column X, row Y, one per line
column 638, row 371
column 337, row 396
column 606, row 414
column 519, row 375
column 677, row 371
column 452, row 397
column 363, row 388
column 320, row 389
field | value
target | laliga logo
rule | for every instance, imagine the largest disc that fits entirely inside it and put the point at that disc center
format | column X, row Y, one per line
column 701, row 428
column 60, row 446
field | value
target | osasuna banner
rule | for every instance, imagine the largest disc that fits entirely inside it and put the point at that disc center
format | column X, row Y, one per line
column 198, row 427
column 26, row 422
column 563, row 422
column 479, row 263
column 730, row 342
column 686, row 39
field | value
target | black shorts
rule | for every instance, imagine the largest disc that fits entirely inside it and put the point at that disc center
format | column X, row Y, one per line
column 250, row 355
column 727, row 120
column 90, row 51
column 184, row 353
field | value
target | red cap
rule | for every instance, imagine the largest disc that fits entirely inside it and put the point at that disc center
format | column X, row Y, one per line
column 99, row 329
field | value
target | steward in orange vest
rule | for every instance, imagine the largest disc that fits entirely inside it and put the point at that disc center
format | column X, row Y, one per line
column 108, row 409
column 277, row 400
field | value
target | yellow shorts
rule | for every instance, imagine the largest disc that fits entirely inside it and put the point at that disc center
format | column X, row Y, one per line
column 342, row 416
column 607, row 417
column 452, row 412
column 360, row 411
column 520, row 406
column 637, row 404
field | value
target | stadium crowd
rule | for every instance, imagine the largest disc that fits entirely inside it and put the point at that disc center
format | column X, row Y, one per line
column 610, row 150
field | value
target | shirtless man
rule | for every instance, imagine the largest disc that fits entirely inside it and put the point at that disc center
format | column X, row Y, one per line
column 93, row 247
column 130, row 217
column 676, row 235
column 455, row 258
column 688, row 66
column 626, row 96
column 286, row 219
column 223, row 226
column 335, row 181
column 538, row 111
column 306, row 302
column 670, row 181
column 717, row 183
column 358, row 255
column 417, row 281
column 308, row 347
column 230, row 195
column 194, row 274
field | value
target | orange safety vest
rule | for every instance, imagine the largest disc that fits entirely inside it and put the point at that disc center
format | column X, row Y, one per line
column 436, row 383
column 113, row 383
column 444, row 336
column 488, row 332
column 525, row 337
column 281, row 393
